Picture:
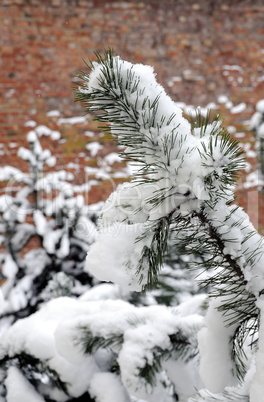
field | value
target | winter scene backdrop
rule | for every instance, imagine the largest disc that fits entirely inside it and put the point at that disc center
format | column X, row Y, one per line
column 131, row 201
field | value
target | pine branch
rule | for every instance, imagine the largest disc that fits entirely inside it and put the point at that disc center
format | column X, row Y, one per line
column 246, row 336
column 226, row 396
column 220, row 245
column 91, row 342
column 194, row 168
column 34, row 370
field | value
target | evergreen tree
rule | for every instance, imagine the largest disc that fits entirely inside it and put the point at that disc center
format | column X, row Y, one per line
column 45, row 206
column 179, row 202
column 184, row 184
column 257, row 125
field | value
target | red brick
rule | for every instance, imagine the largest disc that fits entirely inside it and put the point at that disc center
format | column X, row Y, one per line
column 42, row 44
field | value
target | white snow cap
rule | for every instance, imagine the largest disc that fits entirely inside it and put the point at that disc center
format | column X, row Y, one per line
column 256, row 389
column 116, row 249
column 19, row 389
column 260, row 106
column 216, row 366
column 107, row 387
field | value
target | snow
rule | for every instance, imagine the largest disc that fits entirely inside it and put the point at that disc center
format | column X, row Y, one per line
column 91, row 170
column 36, row 156
column 255, row 121
column 17, row 297
column 256, row 389
column 32, row 136
column 241, row 107
column 31, row 257
column 260, row 131
column 185, row 377
column 104, row 291
column 140, row 343
column 222, row 99
column 51, row 161
column 260, row 106
column 112, row 158
column 36, row 335
column 40, row 222
column 212, row 106
column 229, row 104
column 107, row 387
column 131, row 205
column 115, row 255
column 6, row 201
column 10, row 172
column 53, row 113
column 94, row 148
column 253, row 180
column 142, row 328
column 216, row 367
column 12, row 145
column 51, row 239
column 232, row 68
column 85, row 229
column 9, row 268
column 30, row 123
column 46, row 131
column 249, row 152
column 89, row 133
column 64, row 249
column 72, row 120
column 174, row 79
column 240, row 135
column 19, row 389
column 125, row 233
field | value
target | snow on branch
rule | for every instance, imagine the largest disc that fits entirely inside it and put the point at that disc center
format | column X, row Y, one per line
column 184, row 184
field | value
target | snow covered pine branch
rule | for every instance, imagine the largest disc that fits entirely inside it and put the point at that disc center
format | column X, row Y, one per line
column 183, row 184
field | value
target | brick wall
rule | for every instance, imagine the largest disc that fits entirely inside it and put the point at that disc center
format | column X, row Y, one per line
column 200, row 49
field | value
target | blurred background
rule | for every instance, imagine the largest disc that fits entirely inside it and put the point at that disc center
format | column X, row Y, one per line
column 207, row 53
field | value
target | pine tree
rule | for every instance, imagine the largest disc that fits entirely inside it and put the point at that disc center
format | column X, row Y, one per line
column 40, row 295
column 177, row 209
column 44, row 205
column 184, row 184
